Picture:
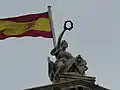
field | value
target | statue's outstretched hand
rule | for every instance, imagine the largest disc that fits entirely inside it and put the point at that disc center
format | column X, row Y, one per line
column 66, row 27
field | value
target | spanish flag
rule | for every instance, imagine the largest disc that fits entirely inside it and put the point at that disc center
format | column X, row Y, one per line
column 34, row 25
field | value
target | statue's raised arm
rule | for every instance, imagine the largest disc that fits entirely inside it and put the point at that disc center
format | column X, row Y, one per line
column 62, row 33
column 60, row 37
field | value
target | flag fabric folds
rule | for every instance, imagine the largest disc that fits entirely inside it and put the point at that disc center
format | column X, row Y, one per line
column 34, row 25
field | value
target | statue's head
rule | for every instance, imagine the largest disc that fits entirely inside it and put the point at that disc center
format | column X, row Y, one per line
column 79, row 57
column 64, row 44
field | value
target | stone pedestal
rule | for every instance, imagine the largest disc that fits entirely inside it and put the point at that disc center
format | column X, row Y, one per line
column 77, row 84
column 71, row 81
column 72, row 76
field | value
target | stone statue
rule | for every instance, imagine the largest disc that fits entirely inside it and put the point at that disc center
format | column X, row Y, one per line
column 81, row 64
column 64, row 60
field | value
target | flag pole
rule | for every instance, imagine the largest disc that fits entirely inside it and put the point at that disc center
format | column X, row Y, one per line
column 51, row 25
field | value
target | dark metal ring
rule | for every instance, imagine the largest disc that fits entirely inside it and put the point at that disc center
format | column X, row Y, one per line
column 65, row 25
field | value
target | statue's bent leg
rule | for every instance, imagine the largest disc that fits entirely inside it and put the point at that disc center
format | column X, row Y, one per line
column 60, row 69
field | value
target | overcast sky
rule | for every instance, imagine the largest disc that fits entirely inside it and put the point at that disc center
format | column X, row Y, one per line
column 96, row 36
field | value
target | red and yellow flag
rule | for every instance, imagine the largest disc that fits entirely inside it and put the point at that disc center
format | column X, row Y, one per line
column 34, row 25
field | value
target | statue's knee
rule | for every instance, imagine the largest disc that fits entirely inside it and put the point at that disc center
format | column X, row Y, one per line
column 60, row 64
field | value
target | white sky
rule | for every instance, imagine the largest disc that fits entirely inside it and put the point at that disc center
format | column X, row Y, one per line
column 95, row 36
